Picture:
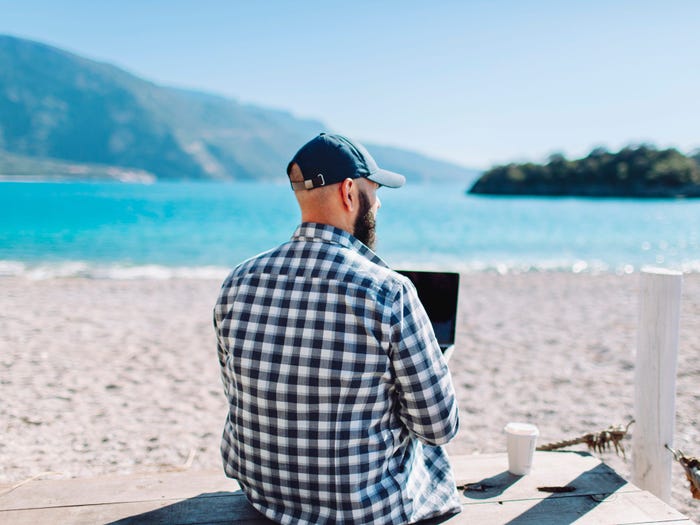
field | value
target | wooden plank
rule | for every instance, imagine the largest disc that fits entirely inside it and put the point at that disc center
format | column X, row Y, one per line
column 469, row 467
column 488, row 470
column 116, row 489
column 628, row 508
column 488, row 478
column 203, row 509
column 600, row 496
column 685, row 521
column 623, row 509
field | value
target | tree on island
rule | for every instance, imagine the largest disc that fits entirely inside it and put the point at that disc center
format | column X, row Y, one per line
column 641, row 171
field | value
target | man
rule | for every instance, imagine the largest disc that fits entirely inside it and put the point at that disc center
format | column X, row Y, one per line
column 339, row 396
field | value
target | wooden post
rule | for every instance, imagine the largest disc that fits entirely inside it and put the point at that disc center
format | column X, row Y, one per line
column 655, row 380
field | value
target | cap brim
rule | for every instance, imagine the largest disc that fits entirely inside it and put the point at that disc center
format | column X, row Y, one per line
column 387, row 178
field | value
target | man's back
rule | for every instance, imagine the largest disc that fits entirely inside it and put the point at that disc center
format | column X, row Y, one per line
column 336, row 386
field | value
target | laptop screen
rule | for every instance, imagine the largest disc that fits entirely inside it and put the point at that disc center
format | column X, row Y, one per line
column 438, row 291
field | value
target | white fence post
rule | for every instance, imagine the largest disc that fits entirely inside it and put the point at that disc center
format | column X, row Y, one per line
column 655, row 380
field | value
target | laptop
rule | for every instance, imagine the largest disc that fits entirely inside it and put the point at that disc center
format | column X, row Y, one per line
column 438, row 291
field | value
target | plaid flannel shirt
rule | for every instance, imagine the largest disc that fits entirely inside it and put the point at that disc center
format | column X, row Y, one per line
column 339, row 397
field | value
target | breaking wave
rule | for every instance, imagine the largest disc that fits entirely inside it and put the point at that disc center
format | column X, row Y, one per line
column 122, row 271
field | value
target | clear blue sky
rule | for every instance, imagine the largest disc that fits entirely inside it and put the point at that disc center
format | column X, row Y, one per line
column 475, row 82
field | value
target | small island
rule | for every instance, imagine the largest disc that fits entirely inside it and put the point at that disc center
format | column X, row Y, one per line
column 634, row 172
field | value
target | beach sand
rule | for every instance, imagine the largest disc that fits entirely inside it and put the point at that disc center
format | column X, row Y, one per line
column 108, row 376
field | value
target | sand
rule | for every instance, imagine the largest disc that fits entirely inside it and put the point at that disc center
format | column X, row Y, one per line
column 110, row 376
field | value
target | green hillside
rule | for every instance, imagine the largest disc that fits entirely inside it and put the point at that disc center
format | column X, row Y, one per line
column 641, row 172
column 58, row 107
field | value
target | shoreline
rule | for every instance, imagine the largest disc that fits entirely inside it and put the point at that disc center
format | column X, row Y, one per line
column 118, row 271
column 116, row 376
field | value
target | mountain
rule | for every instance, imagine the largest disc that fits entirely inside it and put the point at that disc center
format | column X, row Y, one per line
column 68, row 116
column 419, row 167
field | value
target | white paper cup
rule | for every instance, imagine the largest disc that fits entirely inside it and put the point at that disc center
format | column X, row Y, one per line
column 521, row 447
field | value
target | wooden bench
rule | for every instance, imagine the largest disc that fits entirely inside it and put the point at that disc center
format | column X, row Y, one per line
column 564, row 487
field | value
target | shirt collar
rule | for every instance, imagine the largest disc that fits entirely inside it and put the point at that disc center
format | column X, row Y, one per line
column 317, row 232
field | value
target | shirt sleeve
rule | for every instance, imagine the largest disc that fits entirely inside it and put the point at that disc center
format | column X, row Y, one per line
column 221, row 352
column 219, row 344
column 427, row 401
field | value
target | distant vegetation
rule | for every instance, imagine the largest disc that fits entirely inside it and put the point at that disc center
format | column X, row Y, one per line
column 641, row 171
column 63, row 116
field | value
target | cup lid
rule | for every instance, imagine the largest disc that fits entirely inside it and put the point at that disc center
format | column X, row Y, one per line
column 522, row 429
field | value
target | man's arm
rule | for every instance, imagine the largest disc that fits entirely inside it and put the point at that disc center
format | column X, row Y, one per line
column 428, row 405
column 219, row 345
column 221, row 351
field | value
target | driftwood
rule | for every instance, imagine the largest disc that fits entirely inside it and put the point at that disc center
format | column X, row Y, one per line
column 691, row 465
column 596, row 441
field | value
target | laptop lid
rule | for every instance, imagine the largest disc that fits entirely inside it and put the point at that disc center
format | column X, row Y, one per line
column 438, row 291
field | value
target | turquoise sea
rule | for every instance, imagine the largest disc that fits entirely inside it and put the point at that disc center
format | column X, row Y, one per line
column 115, row 230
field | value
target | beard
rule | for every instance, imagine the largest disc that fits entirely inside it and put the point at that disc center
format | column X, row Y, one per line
column 365, row 224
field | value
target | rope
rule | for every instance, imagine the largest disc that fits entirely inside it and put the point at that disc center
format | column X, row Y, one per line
column 612, row 437
column 596, row 441
column 691, row 466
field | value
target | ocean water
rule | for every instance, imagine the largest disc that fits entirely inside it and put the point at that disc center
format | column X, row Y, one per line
column 113, row 230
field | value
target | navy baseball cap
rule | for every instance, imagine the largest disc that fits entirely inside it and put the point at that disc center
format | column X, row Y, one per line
column 328, row 159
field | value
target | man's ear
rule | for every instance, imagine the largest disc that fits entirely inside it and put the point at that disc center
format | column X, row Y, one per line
column 347, row 194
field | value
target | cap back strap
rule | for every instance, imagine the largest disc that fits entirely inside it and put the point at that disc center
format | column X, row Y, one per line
column 314, row 182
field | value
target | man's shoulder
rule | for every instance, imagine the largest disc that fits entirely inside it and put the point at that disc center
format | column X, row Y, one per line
column 253, row 264
column 366, row 273
column 307, row 259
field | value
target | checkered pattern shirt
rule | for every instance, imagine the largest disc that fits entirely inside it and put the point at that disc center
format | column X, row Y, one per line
column 339, row 397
